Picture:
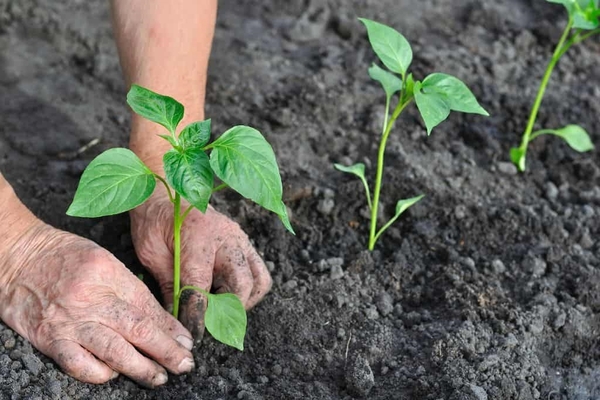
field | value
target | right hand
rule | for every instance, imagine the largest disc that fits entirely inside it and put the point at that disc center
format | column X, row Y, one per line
column 76, row 303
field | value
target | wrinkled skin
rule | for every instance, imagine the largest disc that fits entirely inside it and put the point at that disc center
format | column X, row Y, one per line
column 215, row 254
column 76, row 303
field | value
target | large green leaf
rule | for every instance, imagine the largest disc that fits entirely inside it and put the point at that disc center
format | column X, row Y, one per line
column 390, row 82
column 196, row 134
column 574, row 135
column 190, row 174
column 225, row 319
column 358, row 170
column 244, row 160
column 584, row 13
column 116, row 181
column 161, row 109
column 439, row 93
column 390, row 46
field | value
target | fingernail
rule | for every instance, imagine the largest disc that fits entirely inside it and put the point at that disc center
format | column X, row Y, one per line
column 159, row 379
column 186, row 365
column 114, row 375
column 185, row 342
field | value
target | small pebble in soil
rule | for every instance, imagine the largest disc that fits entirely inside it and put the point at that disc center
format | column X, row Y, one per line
column 336, row 272
column 359, row 377
column 498, row 267
column 551, row 191
column 326, row 206
column 385, row 303
column 507, row 168
column 270, row 266
column 478, row 392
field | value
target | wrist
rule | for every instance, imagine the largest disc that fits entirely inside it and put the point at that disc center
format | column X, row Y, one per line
column 17, row 221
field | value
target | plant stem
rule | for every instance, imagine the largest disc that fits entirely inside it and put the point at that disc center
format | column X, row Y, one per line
column 380, row 159
column 220, row 187
column 160, row 178
column 561, row 48
column 177, row 222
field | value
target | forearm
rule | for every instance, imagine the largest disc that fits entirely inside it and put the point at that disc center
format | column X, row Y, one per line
column 16, row 220
column 164, row 46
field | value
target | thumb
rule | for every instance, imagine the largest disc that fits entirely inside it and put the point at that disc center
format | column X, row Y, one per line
column 196, row 270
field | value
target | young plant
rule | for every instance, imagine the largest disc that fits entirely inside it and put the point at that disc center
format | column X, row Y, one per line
column 117, row 181
column 435, row 97
column 583, row 23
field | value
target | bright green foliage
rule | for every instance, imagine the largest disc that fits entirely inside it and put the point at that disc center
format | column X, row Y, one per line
column 189, row 173
column 244, row 160
column 157, row 108
column 196, row 134
column 226, row 319
column 583, row 23
column 390, row 46
column 358, row 170
column 436, row 96
column 116, row 181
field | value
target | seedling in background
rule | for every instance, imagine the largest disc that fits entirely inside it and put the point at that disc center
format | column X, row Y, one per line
column 583, row 23
column 117, row 181
column 435, row 97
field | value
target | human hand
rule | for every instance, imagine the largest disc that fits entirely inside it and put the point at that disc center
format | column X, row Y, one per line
column 76, row 303
column 215, row 253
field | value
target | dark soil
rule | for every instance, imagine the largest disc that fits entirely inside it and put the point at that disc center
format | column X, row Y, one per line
column 487, row 289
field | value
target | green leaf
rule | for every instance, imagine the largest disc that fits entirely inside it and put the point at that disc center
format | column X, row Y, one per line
column 583, row 12
column 244, row 160
column 189, row 173
column 390, row 82
column 403, row 205
column 438, row 94
column 170, row 139
column 116, row 181
column 225, row 319
column 358, row 170
column 161, row 109
column 390, row 46
column 574, row 135
column 517, row 156
column 196, row 134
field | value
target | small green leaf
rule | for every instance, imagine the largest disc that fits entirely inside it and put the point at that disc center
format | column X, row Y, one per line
column 574, row 135
column 409, row 88
column 116, row 181
column 584, row 13
column 358, row 170
column 225, row 319
column 439, row 93
column 517, row 156
column 244, row 160
column 189, row 173
column 403, row 205
column 196, row 134
column 163, row 110
column 390, row 46
column 390, row 82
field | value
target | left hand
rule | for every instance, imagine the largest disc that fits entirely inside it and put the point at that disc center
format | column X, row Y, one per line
column 215, row 254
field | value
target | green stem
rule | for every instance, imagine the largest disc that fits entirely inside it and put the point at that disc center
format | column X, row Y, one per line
column 378, row 178
column 558, row 52
column 220, row 187
column 177, row 222
column 160, row 178
column 540, row 132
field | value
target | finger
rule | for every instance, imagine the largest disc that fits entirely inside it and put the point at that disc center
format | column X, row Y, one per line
column 145, row 301
column 121, row 356
column 232, row 272
column 141, row 331
column 260, row 274
column 77, row 362
column 196, row 270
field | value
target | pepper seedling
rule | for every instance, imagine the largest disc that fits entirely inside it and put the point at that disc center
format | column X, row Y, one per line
column 436, row 96
column 117, row 181
column 583, row 23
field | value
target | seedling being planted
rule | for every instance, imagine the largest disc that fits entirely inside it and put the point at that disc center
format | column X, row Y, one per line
column 583, row 23
column 436, row 96
column 117, row 181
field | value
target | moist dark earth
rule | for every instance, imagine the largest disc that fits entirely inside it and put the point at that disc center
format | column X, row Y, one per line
column 486, row 289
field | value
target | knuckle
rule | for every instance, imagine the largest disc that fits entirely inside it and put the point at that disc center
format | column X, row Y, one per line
column 143, row 331
column 118, row 353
